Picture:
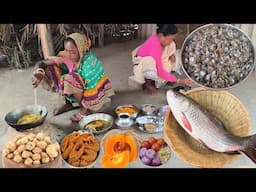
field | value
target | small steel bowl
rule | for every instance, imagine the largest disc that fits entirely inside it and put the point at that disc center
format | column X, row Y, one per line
column 12, row 118
column 149, row 109
column 122, row 109
column 149, row 124
column 94, row 117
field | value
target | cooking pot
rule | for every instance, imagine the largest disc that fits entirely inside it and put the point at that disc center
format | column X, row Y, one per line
column 12, row 117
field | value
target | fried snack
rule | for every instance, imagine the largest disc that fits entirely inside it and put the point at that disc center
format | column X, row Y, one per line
column 17, row 158
column 35, row 140
column 46, row 160
column 40, row 136
column 36, row 162
column 93, row 145
column 28, row 161
column 10, row 156
column 16, row 152
column 26, row 154
column 36, row 157
column 87, row 137
column 41, row 144
column 17, row 137
column 37, row 150
column 31, row 136
column 6, row 151
column 76, row 152
column 47, row 139
column 74, row 137
column 31, row 149
column 84, row 163
column 79, row 149
column 75, row 163
column 67, row 151
column 21, row 148
column 89, row 155
column 30, row 145
column 52, row 150
column 22, row 141
column 44, row 155
column 13, row 146
column 64, row 143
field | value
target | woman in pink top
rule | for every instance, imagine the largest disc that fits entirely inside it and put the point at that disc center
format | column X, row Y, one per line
column 154, row 59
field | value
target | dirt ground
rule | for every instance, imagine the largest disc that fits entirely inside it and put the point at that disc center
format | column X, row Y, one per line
column 17, row 91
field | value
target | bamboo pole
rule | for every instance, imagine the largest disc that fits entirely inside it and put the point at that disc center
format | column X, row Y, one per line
column 46, row 40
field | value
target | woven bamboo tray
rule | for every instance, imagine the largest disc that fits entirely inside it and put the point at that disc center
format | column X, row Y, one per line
column 224, row 106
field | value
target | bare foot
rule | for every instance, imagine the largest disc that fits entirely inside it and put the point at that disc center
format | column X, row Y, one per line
column 64, row 108
column 78, row 116
column 152, row 90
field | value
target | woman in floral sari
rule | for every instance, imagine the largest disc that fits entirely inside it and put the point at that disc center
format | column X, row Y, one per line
column 78, row 75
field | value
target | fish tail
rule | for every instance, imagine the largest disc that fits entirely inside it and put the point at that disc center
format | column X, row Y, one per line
column 250, row 148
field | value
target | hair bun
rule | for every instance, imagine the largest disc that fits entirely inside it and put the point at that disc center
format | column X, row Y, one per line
column 159, row 26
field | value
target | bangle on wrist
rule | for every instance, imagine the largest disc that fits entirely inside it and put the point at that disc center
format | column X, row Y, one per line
column 40, row 71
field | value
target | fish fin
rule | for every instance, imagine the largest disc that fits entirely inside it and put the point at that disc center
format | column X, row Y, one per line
column 233, row 152
column 186, row 122
column 250, row 148
column 251, row 153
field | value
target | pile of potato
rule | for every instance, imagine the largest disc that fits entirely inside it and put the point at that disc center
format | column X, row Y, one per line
column 31, row 149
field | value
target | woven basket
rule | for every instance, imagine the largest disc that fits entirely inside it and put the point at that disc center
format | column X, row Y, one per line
column 224, row 106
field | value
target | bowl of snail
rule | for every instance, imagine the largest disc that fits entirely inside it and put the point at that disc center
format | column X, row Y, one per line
column 96, row 123
column 218, row 56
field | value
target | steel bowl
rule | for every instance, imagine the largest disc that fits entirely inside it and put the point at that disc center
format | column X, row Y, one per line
column 120, row 109
column 149, row 109
column 145, row 121
column 94, row 117
column 188, row 40
column 12, row 118
column 66, row 163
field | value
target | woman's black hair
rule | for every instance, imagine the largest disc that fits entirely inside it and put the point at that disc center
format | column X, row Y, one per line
column 68, row 39
column 167, row 29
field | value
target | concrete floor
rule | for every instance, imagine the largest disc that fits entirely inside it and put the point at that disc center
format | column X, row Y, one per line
column 16, row 91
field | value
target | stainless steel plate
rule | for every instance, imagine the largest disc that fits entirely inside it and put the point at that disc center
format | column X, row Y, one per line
column 94, row 117
column 144, row 121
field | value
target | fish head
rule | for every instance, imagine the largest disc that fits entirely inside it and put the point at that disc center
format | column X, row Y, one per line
column 177, row 101
column 179, row 105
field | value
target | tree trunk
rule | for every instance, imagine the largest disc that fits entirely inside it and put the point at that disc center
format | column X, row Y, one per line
column 101, row 35
column 46, row 40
